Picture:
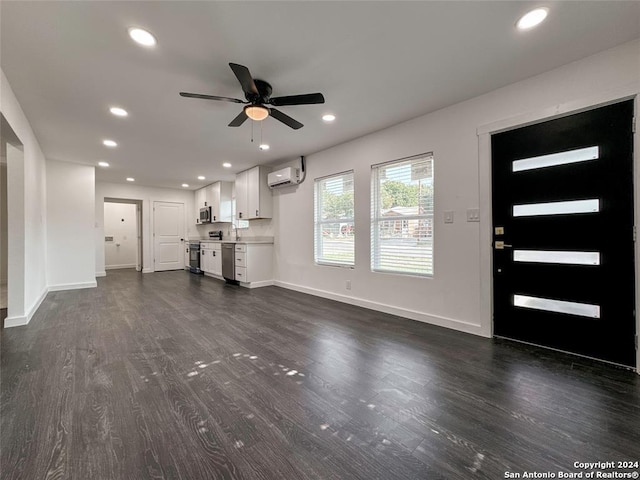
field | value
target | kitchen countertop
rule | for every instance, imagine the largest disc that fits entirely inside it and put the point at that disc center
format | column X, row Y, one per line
column 245, row 240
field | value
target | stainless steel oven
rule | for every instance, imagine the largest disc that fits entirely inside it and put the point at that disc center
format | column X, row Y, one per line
column 194, row 257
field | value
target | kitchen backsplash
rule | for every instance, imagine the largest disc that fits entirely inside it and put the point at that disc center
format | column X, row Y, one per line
column 257, row 228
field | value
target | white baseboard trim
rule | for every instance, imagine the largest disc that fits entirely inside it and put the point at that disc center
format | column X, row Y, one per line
column 72, row 286
column 147, row 270
column 446, row 322
column 15, row 321
column 101, row 274
column 19, row 321
column 115, row 267
column 264, row 283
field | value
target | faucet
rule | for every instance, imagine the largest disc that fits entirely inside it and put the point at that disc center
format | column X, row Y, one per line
column 235, row 228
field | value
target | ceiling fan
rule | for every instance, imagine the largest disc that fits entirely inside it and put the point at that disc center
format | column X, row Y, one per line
column 258, row 95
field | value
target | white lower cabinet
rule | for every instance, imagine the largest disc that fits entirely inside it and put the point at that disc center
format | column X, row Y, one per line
column 216, row 263
column 254, row 264
column 211, row 258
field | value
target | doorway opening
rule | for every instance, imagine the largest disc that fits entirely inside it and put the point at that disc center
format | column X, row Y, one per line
column 12, row 227
column 122, row 234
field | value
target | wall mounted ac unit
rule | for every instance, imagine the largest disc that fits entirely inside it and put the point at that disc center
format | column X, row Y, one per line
column 284, row 177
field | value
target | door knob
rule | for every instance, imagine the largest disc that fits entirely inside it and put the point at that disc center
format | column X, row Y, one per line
column 500, row 245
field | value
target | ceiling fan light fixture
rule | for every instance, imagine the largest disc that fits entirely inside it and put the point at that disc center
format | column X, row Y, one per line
column 256, row 112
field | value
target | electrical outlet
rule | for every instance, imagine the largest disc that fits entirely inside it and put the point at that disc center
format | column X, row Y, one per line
column 348, row 284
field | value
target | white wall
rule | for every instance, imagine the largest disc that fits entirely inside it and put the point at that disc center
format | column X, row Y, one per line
column 452, row 297
column 120, row 223
column 27, row 204
column 70, row 225
column 147, row 195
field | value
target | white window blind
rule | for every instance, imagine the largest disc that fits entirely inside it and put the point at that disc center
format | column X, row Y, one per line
column 334, row 226
column 402, row 216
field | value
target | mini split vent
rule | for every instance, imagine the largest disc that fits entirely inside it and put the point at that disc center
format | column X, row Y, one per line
column 284, row 177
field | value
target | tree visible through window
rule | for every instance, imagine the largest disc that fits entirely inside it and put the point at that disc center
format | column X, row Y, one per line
column 334, row 220
column 402, row 216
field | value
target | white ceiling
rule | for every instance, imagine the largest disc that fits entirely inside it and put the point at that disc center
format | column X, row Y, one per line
column 377, row 64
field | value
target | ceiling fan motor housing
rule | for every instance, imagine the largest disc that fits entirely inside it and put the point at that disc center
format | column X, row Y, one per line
column 264, row 92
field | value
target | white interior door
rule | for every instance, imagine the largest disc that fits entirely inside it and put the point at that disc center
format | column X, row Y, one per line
column 168, row 235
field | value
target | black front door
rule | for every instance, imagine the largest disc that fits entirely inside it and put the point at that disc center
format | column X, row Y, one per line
column 563, row 258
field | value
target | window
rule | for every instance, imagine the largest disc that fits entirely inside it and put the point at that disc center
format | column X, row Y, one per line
column 402, row 216
column 334, row 225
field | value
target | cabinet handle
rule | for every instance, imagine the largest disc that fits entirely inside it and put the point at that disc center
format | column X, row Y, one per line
column 239, row 214
column 214, row 253
column 203, row 252
column 214, row 218
column 256, row 213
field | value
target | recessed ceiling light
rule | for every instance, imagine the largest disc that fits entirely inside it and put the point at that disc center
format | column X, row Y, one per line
column 103, row 164
column 131, row 179
column 142, row 37
column 200, row 177
column 185, row 185
column 533, row 18
column 328, row 117
column 109, row 143
column 264, row 146
column 226, row 165
column 118, row 112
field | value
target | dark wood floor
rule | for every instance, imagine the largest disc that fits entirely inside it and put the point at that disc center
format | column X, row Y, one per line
column 172, row 375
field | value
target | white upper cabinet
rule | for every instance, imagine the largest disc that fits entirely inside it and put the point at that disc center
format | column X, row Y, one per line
column 199, row 203
column 218, row 197
column 253, row 197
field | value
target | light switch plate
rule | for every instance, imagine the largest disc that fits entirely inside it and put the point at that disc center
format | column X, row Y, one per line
column 473, row 215
column 448, row 216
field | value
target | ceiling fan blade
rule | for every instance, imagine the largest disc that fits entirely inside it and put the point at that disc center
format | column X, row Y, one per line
column 284, row 118
column 245, row 78
column 239, row 120
column 306, row 99
column 210, row 97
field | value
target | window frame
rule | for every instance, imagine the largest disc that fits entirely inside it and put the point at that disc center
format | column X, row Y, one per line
column 318, row 222
column 376, row 219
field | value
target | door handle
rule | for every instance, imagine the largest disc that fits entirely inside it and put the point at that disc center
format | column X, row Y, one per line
column 256, row 213
column 500, row 245
column 214, row 253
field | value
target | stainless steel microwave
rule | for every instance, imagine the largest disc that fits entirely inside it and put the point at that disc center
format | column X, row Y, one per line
column 205, row 215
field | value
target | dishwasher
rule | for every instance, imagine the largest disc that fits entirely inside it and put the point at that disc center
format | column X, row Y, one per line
column 229, row 262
